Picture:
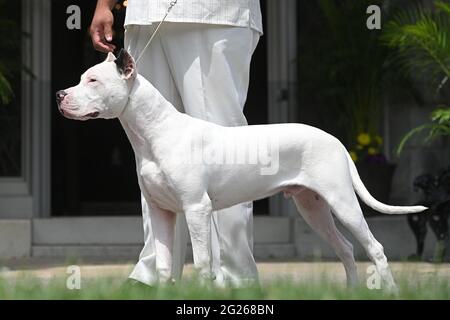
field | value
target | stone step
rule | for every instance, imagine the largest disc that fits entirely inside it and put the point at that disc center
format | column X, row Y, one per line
column 261, row 251
column 129, row 231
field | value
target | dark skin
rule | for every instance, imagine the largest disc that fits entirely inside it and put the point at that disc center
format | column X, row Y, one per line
column 101, row 27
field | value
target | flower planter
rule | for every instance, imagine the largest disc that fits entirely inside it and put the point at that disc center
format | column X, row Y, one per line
column 377, row 178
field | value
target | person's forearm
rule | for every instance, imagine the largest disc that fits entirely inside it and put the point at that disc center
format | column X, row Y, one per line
column 101, row 4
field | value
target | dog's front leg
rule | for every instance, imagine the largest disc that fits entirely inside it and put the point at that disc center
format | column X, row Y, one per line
column 163, row 226
column 199, row 224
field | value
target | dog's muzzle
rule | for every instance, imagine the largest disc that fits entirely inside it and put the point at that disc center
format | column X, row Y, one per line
column 60, row 96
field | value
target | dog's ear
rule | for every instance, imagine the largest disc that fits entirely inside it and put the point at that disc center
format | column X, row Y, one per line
column 126, row 65
column 110, row 57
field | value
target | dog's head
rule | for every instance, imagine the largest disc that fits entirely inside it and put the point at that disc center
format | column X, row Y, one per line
column 103, row 90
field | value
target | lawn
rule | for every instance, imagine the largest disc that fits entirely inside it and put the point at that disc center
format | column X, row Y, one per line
column 415, row 281
column 113, row 288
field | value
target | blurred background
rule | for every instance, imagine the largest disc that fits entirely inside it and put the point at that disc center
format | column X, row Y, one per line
column 69, row 188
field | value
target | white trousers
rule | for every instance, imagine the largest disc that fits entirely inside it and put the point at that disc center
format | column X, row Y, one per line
column 203, row 70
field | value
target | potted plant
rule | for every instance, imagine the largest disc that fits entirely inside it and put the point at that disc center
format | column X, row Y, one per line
column 374, row 169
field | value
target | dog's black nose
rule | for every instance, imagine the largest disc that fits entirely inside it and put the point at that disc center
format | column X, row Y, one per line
column 60, row 96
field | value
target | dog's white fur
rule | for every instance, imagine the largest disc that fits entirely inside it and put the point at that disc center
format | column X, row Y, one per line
column 314, row 168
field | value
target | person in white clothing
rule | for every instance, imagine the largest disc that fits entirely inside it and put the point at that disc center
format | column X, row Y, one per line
column 200, row 61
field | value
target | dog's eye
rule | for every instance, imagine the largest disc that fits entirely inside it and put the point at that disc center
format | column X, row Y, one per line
column 92, row 80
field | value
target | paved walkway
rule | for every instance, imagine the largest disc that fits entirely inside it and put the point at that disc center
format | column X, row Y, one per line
column 298, row 271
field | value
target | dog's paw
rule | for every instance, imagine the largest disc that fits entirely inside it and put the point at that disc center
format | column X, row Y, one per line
column 391, row 288
column 206, row 278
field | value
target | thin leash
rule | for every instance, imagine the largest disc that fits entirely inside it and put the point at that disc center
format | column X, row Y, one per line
column 172, row 4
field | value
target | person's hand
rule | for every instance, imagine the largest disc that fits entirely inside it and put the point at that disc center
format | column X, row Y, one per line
column 101, row 29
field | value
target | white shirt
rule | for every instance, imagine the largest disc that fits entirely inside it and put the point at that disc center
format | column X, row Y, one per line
column 240, row 13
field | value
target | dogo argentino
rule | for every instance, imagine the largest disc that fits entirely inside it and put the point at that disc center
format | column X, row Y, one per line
column 313, row 168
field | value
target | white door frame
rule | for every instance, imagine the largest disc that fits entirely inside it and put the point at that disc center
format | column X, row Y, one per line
column 282, row 73
column 38, row 23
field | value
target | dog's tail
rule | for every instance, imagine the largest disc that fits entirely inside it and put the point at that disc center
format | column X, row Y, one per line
column 368, row 199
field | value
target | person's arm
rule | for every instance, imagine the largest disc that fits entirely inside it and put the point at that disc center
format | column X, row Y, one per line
column 101, row 26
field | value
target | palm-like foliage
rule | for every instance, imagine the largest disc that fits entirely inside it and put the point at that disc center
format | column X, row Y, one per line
column 354, row 64
column 9, row 42
column 421, row 38
column 351, row 70
column 10, row 78
column 5, row 87
column 439, row 126
column 9, row 45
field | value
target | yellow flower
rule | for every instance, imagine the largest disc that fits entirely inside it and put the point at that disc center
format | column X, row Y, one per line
column 364, row 139
column 379, row 140
column 372, row 151
column 354, row 156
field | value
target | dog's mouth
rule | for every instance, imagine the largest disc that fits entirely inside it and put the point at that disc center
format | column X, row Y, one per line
column 92, row 115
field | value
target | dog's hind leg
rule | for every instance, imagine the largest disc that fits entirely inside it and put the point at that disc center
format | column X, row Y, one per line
column 329, row 175
column 316, row 212
column 346, row 208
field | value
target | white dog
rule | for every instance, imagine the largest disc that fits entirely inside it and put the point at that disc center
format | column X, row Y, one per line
column 311, row 166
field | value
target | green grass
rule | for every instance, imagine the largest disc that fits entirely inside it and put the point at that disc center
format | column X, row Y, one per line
column 117, row 288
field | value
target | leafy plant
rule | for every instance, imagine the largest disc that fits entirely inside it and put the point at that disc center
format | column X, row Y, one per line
column 356, row 64
column 421, row 39
column 9, row 41
column 351, row 77
column 10, row 71
column 5, row 87
column 439, row 126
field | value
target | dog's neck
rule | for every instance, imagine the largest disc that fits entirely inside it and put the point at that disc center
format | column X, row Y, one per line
column 146, row 116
